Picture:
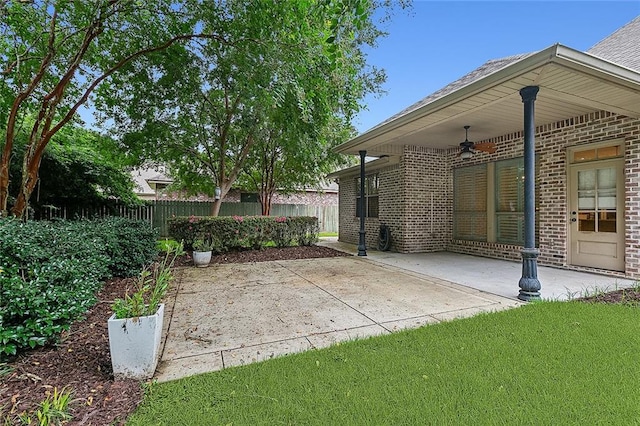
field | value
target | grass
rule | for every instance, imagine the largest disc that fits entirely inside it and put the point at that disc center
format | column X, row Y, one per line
column 327, row 234
column 544, row 363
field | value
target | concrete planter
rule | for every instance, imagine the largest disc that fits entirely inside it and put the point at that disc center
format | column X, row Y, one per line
column 201, row 258
column 135, row 345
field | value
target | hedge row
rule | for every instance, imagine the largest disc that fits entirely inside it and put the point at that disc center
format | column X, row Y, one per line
column 50, row 271
column 245, row 232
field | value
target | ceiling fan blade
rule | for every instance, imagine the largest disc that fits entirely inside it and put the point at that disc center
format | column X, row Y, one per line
column 488, row 147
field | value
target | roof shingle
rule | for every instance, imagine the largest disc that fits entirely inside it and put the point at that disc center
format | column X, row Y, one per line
column 485, row 69
column 622, row 47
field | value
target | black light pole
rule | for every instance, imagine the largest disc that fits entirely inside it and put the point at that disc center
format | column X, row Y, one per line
column 529, row 284
column 362, row 247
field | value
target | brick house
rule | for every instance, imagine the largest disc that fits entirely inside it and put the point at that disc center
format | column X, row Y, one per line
column 578, row 114
column 154, row 184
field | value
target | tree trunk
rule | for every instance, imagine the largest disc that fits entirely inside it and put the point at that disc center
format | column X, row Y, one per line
column 266, row 206
column 215, row 209
column 30, row 171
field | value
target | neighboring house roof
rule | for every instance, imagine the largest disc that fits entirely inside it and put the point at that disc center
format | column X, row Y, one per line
column 142, row 178
column 621, row 47
column 572, row 83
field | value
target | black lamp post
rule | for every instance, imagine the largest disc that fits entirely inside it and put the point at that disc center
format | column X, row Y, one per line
column 529, row 284
column 362, row 247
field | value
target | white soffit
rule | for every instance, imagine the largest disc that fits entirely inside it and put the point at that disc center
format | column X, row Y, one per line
column 571, row 82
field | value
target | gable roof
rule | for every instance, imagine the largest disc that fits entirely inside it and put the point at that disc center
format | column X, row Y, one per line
column 622, row 47
column 485, row 69
column 572, row 83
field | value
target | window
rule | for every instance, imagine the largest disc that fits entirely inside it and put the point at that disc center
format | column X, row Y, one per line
column 249, row 197
column 597, row 153
column 371, row 186
column 470, row 203
column 509, row 201
column 489, row 202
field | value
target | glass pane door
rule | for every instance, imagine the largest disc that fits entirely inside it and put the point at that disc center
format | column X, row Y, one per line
column 597, row 200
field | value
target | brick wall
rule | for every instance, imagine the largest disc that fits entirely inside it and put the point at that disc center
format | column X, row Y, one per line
column 418, row 225
column 552, row 142
column 415, row 201
column 390, row 209
column 428, row 190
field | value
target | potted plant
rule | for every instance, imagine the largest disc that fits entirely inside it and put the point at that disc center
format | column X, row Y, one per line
column 135, row 328
column 202, row 248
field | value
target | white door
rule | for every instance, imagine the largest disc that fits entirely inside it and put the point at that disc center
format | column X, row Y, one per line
column 596, row 214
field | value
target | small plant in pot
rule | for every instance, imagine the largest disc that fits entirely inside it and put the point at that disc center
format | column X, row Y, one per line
column 135, row 328
column 202, row 250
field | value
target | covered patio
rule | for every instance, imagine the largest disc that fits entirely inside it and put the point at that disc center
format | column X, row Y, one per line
column 493, row 276
column 540, row 112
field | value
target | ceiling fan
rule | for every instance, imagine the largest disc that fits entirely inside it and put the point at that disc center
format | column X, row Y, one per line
column 468, row 148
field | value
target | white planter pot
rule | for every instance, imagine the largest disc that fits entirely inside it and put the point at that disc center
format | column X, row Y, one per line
column 201, row 258
column 135, row 344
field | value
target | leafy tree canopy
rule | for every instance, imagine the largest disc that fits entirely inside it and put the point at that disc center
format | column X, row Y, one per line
column 291, row 82
column 55, row 53
column 79, row 168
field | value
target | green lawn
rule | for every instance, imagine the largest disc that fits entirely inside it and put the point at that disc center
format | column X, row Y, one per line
column 545, row 363
column 327, row 234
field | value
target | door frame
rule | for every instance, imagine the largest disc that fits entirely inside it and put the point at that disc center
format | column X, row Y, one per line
column 615, row 161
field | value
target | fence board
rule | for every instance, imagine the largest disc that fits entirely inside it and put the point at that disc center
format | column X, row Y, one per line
column 158, row 212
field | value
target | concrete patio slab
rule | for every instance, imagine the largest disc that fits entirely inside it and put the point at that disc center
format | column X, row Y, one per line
column 234, row 314
column 263, row 352
column 381, row 297
column 494, row 276
column 228, row 315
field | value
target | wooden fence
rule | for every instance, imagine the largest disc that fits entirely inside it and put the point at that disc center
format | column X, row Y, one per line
column 157, row 212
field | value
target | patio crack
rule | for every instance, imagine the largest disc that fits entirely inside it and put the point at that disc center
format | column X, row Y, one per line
column 332, row 295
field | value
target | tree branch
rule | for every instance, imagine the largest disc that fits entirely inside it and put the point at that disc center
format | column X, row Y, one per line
column 119, row 65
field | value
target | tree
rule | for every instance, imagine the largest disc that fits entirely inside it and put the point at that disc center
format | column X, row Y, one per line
column 213, row 104
column 287, row 159
column 79, row 168
column 54, row 54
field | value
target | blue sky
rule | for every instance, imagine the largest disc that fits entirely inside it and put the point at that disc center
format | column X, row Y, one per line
column 439, row 41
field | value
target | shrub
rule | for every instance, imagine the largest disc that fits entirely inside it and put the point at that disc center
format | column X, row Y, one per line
column 50, row 271
column 249, row 232
column 130, row 244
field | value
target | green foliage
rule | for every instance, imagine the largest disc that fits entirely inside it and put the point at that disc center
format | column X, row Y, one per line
column 79, row 168
column 150, row 289
column 130, row 244
column 50, row 271
column 166, row 245
column 52, row 411
column 238, row 232
column 206, row 243
column 285, row 81
column 54, row 56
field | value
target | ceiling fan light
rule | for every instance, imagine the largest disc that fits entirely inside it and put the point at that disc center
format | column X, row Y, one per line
column 466, row 154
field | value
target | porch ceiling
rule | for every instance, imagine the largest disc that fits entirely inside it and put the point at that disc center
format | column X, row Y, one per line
column 572, row 83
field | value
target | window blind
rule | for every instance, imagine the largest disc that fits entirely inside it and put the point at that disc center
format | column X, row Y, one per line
column 470, row 203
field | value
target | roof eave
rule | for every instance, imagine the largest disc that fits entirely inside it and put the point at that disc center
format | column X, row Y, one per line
column 557, row 53
column 369, row 166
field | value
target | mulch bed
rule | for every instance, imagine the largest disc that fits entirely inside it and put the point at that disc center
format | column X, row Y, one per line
column 81, row 362
column 629, row 296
